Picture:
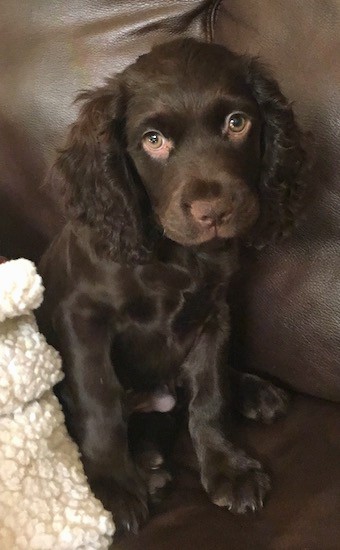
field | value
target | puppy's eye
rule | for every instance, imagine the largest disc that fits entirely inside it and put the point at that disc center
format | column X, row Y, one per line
column 237, row 123
column 153, row 140
column 156, row 145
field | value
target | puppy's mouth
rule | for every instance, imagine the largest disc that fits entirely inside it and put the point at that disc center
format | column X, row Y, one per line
column 187, row 232
column 213, row 232
column 194, row 235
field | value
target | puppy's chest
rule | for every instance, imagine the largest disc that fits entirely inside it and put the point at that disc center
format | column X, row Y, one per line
column 169, row 298
column 162, row 310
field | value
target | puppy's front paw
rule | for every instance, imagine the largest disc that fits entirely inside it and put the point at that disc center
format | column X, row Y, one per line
column 128, row 505
column 245, row 492
column 240, row 489
column 261, row 400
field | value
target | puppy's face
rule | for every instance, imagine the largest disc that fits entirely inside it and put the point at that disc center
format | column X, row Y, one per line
column 193, row 133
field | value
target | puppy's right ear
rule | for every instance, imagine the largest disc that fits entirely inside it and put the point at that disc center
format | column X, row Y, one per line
column 99, row 189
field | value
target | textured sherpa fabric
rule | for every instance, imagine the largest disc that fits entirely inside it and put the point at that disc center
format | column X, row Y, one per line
column 28, row 365
column 45, row 500
column 21, row 288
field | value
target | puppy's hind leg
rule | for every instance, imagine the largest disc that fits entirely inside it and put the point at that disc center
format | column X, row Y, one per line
column 258, row 399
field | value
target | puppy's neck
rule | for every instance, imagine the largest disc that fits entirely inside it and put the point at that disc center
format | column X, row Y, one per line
column 217, row 254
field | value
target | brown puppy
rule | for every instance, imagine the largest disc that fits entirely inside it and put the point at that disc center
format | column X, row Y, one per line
column 169, row 166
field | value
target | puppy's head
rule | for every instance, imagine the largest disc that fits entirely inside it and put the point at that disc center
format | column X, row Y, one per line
column 206, row 135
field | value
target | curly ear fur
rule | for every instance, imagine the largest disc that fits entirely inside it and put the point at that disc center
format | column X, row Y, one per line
column 281, row 184
column 98, row 185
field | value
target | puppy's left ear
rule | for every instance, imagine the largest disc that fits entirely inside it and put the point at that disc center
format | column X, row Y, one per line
column 281, row 183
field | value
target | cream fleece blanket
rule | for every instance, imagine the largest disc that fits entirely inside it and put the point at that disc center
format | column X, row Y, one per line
column 45, row 500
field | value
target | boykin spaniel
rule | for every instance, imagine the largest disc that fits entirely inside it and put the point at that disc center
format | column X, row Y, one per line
column 171, row 165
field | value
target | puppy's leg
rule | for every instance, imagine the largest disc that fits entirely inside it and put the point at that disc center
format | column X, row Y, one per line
column 228, row 474
column 258, row 399
column 98, row 416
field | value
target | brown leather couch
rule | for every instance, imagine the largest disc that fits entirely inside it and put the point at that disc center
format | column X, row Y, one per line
column 287, row 298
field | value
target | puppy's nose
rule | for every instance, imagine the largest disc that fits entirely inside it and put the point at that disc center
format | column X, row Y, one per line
column 209, row 213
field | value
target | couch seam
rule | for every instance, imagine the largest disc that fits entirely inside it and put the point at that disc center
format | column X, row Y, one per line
column 211, row 18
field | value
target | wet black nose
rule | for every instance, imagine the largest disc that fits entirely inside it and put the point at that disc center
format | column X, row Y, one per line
column 209, row 212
